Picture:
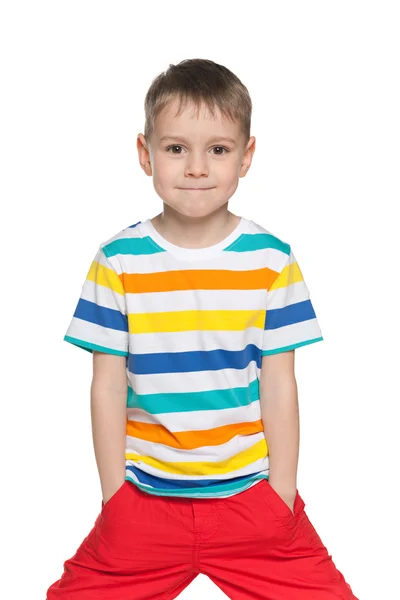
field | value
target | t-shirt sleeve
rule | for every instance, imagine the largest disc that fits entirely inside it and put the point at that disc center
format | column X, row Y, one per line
column 290, row 320
column 100, row 321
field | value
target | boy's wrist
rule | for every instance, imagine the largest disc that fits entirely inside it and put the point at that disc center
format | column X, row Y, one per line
column 287, row 492
column 109, row 490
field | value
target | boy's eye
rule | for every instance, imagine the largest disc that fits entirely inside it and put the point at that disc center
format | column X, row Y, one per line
column 221, row 148
column 175, row 146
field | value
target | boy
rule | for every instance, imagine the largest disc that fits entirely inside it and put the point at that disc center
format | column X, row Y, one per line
column 193, row 318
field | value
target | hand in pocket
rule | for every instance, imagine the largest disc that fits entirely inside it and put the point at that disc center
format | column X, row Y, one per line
column 108, row 495
column 288, row 499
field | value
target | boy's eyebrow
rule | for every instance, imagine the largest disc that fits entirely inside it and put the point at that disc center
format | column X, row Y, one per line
column 213, row 139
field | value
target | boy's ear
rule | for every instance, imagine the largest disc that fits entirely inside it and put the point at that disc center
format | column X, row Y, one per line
column 143, row 154
column 247, row 156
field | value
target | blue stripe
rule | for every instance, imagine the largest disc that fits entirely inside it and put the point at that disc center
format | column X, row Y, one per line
column 179, row 484
column 196, row 360
column 294, row 313
column 100, row 315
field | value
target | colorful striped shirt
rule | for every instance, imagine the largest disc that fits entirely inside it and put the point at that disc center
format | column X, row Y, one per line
column 194, row 324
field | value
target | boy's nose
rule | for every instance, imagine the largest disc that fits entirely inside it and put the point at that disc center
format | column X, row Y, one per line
column 196, row 167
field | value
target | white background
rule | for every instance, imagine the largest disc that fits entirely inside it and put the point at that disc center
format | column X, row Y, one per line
column 324, row 80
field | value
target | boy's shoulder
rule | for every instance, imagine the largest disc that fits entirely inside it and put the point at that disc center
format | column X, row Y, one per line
column 269, row 239
column 115, row 244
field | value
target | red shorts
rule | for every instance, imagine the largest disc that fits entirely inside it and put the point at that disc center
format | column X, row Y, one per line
column 250, row 545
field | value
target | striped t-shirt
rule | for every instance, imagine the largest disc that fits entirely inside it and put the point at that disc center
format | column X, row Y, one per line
column 193, row 324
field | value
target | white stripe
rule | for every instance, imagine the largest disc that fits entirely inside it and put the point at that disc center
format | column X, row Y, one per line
column 221, row 452
column 197, row 300
column 195, row 340
column 162, row 262
column 103, row 296
column 291, row 334
column 96, row 334
column 295, row 292
column 193, row 381
column 127, row 233
column 198, row 420
column 106, row 262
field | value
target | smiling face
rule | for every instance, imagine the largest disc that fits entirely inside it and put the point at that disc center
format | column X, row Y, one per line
column 195, row 160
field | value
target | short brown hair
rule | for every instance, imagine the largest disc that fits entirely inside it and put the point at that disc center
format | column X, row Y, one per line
column 199, row 81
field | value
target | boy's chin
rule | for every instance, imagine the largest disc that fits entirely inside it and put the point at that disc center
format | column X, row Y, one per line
column 194, row 210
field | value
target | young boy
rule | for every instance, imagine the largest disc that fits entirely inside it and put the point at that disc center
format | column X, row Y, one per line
column 192, row 318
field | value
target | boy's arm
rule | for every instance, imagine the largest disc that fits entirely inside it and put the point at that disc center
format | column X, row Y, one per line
column 280, row 415
column 108, row 394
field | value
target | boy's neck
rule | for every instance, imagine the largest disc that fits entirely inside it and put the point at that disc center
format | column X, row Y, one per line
column 189, row 232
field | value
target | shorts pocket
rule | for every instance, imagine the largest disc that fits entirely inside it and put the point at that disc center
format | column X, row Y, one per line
column 311, row 534
column 296, row 526
column 114, row 498
column 279, row 507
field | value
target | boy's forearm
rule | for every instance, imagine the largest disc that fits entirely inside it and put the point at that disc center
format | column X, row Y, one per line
column 280, row 414
column 108, row 413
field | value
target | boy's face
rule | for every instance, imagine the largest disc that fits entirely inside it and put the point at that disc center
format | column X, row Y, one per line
column 195, row 155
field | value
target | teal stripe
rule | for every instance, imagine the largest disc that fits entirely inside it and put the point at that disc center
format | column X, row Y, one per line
column 292, row 347
column 135, row 246
column 90, row 347
column 218, row 490
column 247, row 242
column 258, row 241
column 192, row 401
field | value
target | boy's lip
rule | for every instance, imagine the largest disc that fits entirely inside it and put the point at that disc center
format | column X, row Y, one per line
column 197, row 189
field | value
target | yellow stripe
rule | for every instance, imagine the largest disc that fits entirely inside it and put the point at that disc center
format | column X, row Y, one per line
column 238, row 461
column 290, row 274
column 188, row 320
column 102, row 275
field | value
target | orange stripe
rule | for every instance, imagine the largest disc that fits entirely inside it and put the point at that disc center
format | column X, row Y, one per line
column 188, row 440
column 212, row 279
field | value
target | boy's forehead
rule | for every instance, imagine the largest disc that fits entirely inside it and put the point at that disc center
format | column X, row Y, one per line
column 195, row 121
